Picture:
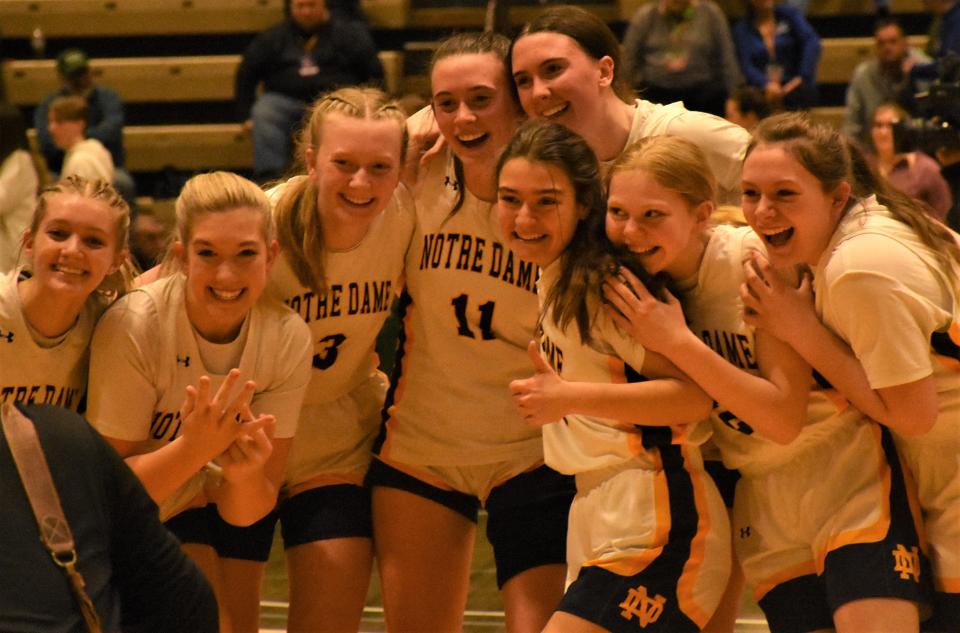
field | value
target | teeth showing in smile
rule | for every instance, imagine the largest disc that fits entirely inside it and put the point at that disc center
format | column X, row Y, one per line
column 225, row 295
column 779, row 238
column 529, row 238
column 68, row 270
column 649, row 251
column 360, row 202
column 472, row 140
column 554, row 111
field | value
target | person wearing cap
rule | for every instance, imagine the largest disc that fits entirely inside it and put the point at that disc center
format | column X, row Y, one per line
column 104, row 117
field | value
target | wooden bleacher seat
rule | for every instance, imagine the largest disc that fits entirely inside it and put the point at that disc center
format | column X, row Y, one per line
column 59, row 18
column 184, row 147
column 862, row 8
column 154, row 79
column 841, row 55
column 79, row 18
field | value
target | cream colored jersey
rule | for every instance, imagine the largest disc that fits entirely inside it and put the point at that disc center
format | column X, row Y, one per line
column 470, row 308
column 48, row 372
column 145, row 353
column 344, row 322
column 362, row 283
column 714, row 312
column 876, row 265
column 723, row 143
column 579, row 443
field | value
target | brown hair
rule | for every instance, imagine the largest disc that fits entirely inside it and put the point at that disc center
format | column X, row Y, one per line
column 590, row 33
column 832, row 159
column 299, row 227
column 69, row 108
column 590, row 256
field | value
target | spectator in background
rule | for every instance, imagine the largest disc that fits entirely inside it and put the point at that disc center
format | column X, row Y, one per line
column 104, row 118
column 309, row 53
column 912, row 172
column 778, row 51
column 84, row 157
column 150, row 233
column 746, row 107
column 18, row 185
column 680, row 50
column 880, row 79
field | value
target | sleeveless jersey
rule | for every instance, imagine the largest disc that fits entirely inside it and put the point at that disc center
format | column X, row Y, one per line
column 581, row 443
column 145, row 354
column 31, row 373
column 469, row 311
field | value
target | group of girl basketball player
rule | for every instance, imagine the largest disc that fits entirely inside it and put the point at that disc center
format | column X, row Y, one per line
column 654, row 409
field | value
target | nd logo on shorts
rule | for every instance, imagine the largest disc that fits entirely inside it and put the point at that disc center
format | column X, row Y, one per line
column 638, row 604
column 906, row 562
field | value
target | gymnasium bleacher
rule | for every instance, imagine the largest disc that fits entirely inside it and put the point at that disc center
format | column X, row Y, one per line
column 179, row 105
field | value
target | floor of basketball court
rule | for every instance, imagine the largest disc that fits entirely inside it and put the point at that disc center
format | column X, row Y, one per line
column 484, row 608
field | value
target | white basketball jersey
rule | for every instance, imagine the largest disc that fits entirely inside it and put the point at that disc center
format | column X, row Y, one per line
column 31, row 373
column 581, row 443
column 470, row 309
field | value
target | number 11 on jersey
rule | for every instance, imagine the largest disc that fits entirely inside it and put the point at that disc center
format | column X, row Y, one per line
column 486, row 318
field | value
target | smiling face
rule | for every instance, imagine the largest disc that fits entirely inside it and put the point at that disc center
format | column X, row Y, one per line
column 787, row 206
column 355, row 168
column 537, row 210
column 226, row 261
column 557, row 80
column 75, row 245
column 473, row 105
column 656, row 223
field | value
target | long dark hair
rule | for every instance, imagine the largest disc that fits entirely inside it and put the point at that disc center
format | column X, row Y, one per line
column 590, row 256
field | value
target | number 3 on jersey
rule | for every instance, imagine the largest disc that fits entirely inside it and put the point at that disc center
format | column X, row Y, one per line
column 486, row 318
column 329, row 355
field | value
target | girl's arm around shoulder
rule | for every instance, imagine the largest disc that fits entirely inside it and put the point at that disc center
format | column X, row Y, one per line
column 667, row 398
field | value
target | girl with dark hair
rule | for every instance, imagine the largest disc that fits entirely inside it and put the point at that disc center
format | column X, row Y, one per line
column 648, row 539
column 18, row 184
column 567, row 68
column 452, row 440
column 877, row 315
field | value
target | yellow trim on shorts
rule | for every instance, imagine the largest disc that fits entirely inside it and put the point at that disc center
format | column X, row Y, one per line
column 805, row 568
column 872, row 533
column 633, row 565
column 698, row 547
